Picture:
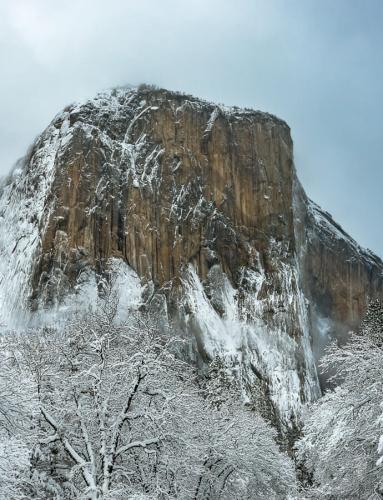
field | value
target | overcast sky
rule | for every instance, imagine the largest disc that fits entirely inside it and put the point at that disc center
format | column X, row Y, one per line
column 315, row 63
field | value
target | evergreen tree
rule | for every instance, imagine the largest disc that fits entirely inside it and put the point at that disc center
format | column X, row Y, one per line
column 340, row 447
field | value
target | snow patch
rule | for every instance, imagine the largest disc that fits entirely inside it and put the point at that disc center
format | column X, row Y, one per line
column 242, row 333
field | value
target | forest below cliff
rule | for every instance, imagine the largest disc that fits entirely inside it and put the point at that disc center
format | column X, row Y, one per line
column 103, row 409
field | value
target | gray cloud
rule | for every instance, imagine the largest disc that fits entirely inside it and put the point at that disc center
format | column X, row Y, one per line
column 315, row 64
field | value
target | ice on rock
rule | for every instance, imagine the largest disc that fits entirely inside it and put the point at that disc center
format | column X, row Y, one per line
column 241, row 333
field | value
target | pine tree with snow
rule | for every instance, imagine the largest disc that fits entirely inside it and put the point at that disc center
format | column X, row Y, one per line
column 372, row 324
column 340, row 446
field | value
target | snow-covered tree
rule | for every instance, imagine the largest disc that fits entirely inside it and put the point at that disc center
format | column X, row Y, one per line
column 110, row 410
column 18, row 433
column 341, row 431
column 15, row 468
column 372, row 324
column 242, row 459
column 111, row 401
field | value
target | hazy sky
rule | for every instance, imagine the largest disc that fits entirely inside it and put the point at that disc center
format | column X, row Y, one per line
column 318, row 64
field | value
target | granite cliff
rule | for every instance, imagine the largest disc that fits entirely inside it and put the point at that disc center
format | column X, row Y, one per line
column 199, row 209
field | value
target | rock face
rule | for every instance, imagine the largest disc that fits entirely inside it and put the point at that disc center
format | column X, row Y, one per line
column 202, row 202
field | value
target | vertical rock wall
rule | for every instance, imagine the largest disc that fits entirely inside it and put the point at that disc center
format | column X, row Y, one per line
column 203, row 203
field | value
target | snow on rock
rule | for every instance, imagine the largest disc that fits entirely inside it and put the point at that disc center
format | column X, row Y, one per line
column 23, row 207
column 171, row 194
column 241, row 333
column 326, row 224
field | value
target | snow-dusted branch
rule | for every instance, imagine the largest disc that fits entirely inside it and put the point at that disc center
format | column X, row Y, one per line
column 136, row 444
